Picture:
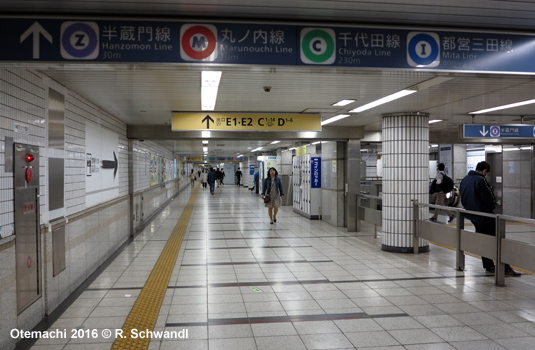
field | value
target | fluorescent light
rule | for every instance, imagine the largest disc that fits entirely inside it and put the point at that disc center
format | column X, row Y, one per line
column 206, row 134
column 383, row 100
column 435, row 121
column 315, row 143
column 291, row 149
column 256, row 149
column 511, row 149
column 205, row 142
column 209, row 86
column 517, row 104
column 527, row 148
column 210, row 78
column 274, row 142
column 433, row 146
column 205, row 149
column 342, row 103
column 335, row 118
column 241, row 155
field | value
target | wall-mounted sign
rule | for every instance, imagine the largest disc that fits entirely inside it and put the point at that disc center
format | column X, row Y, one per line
column 511, row 131
column 246, row 122
column 315, row 168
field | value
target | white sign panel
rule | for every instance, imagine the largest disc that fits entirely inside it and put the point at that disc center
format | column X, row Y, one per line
column 102, row 165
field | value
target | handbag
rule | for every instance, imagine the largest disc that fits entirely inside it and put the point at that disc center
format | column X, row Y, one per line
column 267, row 199
column 433, row 187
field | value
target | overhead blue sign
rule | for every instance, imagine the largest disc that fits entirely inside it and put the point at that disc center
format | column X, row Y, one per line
column 315, row 167
column 512, row 131
column 120, row 40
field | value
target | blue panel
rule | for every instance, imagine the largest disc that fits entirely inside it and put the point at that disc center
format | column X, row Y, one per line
column 315, row 168
column 499, row 131
column 255, row 43
column 251, row 169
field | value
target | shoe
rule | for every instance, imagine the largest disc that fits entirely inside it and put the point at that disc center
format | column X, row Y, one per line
column 513, row 273
column 271, row 223
column 451, row 218
column 433, row 219
column 491, row 269
column 274, row 220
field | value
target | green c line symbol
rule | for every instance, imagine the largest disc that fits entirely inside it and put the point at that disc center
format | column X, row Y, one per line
column 308, row 42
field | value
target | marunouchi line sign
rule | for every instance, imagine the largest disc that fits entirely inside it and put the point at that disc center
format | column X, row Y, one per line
column 123, row 40
column 246, row 122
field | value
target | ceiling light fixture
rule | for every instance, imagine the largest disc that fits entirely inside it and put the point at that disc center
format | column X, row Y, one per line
column 291, row 149
column 205, row 142
column 342, row 103
column 209, row 86
column 256, row 149
column 435, row 121
column 206, row 134
column 333, row 119
column 511, row 105
column 274, row 142
column 315, row 143
column 205, row 149
column 384, row 100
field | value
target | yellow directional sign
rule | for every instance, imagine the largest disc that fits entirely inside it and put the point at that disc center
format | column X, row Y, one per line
column 246, row 122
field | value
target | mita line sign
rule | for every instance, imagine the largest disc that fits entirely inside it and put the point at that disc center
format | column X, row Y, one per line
column 120, row 40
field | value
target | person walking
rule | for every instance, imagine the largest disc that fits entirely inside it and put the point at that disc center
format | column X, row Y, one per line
column 192, row 178
column 273, row 188
column 238, row 176
column 477, row 195
column 204, row 178
column 440, row 195
column 218, row 177
column 222, row 176
column 211, row 179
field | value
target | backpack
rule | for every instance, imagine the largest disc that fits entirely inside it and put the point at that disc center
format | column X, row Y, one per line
column 447, row 184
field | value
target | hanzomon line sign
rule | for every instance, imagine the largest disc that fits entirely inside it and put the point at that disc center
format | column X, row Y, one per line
column 508, row 131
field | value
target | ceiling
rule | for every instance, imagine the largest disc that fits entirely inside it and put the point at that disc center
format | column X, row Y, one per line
column 147, row 94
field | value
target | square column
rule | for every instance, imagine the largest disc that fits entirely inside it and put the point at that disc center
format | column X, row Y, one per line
column 405, row 177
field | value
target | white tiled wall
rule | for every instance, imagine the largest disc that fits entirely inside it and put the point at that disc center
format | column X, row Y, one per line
column 22, row 101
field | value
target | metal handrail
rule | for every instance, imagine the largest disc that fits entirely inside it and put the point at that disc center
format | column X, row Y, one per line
column 486, row 245
column 512, row 247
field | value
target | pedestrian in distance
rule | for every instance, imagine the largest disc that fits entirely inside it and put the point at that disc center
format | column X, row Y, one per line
column 218, row 177
column 222, row 176
column 238, row 176
column 477, row 195
column 273, row 188
column 211, row 179
column 440, row 194
column 192, row 178
column 204, row 178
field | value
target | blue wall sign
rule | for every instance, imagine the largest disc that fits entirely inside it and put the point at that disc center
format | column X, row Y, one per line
column 512, row 131
column 251, row 169
column 315, row 169
column 120, row 40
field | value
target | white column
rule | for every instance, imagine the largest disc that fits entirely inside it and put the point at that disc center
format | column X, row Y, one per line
column 406, row 177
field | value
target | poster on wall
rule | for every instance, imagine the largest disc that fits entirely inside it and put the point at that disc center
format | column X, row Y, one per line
column 153, row 178
column 102, row 165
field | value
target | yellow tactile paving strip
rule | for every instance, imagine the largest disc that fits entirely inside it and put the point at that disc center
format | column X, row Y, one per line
column 145, row 311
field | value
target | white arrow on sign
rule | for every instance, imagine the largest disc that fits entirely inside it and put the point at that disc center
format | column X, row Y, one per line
column 36, row 29
column 484, row 132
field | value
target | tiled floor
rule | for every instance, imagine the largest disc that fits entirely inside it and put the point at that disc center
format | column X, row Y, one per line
column 241, row 283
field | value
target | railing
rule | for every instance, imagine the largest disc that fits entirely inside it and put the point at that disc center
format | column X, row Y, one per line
column 500, row 248
column 368, row 214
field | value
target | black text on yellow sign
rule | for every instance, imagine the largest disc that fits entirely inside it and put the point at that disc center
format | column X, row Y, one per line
column 246, row 122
